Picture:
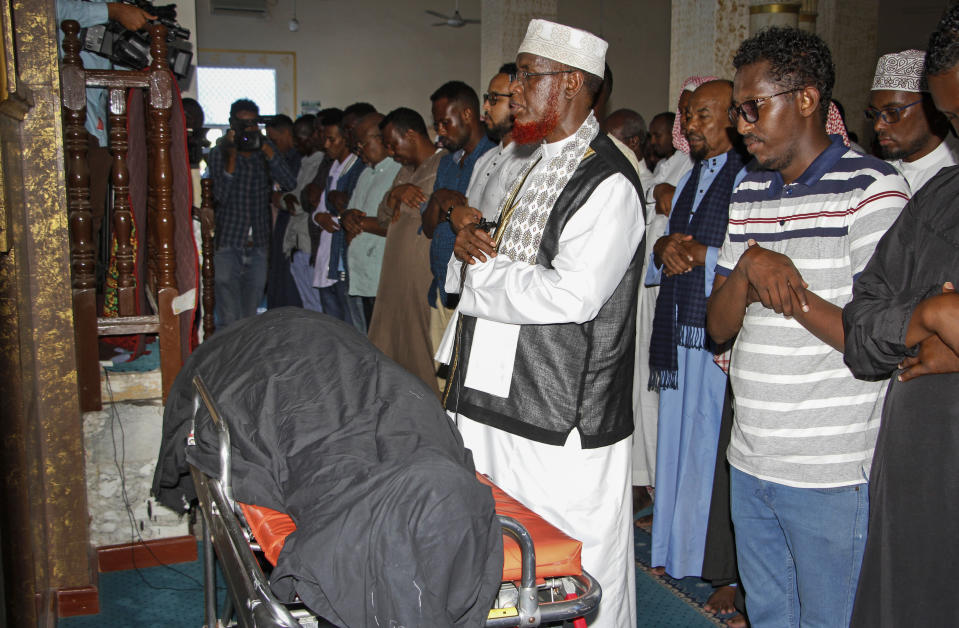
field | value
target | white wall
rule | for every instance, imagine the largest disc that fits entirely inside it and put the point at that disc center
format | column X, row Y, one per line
column 382, row 52
column 638, row 36
column 386, row 52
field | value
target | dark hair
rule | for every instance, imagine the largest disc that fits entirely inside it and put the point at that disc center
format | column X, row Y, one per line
column 330, row 117
column 405, row 119
column 508, row 68
column 359, row 109
column 458, row 91
column 943, row 50
column 243, row 104
column 280, row 121
column 306, row 120
column 191, row 108
column 318, row 120
column 668, row 115
column 796, row 59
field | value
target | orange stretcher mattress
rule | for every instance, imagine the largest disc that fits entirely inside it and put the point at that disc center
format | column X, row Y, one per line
column 556, row 554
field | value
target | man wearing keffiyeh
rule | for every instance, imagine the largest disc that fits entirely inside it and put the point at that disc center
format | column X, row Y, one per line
column 690, row 384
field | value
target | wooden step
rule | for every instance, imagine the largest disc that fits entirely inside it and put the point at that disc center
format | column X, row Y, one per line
column 123, row 325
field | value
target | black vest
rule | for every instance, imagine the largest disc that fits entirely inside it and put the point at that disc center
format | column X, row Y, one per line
column 566, row 375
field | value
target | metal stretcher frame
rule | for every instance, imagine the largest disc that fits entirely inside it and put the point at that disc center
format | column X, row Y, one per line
column 251, row 602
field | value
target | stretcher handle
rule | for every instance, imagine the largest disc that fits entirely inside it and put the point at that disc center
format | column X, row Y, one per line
column 528, row 604
column 223, row 434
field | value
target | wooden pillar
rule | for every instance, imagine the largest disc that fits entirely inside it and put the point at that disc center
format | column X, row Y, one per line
column 43, row 513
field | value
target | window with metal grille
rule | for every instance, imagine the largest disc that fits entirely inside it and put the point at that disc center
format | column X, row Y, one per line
column 218, row 88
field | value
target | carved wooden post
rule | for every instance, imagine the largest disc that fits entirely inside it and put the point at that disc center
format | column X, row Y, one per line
column 161, row 100
column 207, row 226
column 82, row 247
column 161, row 213
column 122, row 216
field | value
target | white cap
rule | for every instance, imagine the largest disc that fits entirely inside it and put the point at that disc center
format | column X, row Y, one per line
column 901, row 71
column 572, row 46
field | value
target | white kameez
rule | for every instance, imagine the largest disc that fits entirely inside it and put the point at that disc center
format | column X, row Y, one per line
column 584, row 492
column 921, row 170
column 646, row 401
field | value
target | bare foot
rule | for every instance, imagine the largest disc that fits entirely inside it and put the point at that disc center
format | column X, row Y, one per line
column 737, row 621
column 721, row 601
column 658, row 571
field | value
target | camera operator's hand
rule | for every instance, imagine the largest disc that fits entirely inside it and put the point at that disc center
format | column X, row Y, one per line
column 268, row 149
column 132, row 18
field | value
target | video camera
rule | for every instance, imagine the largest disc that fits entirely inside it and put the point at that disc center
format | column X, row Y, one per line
column 131, row 49
column 246, row 133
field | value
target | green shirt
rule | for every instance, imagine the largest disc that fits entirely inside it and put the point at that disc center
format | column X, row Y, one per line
column 365, row 253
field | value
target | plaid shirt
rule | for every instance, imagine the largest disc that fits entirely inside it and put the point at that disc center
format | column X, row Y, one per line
column 243, row 197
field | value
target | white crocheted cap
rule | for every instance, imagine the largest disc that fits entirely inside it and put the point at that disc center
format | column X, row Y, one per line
column 572, row 46
column 901, row 71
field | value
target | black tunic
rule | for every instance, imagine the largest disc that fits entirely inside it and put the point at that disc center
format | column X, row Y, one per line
column 911, row 551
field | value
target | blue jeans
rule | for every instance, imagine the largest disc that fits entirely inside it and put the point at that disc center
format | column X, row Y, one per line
column 240, row 280
column 799, row 550
column 335, row 301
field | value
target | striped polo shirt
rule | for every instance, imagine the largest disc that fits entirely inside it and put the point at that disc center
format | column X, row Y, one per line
column 802, row 419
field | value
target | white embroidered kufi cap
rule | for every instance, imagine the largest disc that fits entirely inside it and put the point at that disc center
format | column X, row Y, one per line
column 901, row 71
column 572, row 46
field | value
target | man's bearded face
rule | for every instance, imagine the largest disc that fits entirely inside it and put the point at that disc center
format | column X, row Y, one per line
column 545, row 116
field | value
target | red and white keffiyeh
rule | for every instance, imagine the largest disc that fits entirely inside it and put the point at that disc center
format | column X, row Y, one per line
column 834, row 123
column 690, row 84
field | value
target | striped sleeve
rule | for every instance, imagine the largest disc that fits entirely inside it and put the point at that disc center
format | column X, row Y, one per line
column 881, row 204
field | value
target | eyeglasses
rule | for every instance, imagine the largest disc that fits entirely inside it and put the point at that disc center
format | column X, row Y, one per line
column 524, row 76
column 889, row 115
column 493, row 97
column 749, row 110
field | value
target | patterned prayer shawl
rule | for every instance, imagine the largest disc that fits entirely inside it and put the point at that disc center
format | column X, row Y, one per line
column 523, row 229
column 680, row 317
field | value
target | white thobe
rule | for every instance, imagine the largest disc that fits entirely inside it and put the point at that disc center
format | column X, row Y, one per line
column 921, row 170
column 321, row 266
column 494, row 173
column 669, row 170
column 645, row 401
column 584, row 492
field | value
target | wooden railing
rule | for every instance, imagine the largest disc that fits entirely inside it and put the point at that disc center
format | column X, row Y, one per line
column 160, row 255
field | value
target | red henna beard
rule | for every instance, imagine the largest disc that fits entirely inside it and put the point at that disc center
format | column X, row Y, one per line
column 536, row 131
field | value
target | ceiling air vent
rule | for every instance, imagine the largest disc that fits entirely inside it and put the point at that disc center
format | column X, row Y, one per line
column 252, row 8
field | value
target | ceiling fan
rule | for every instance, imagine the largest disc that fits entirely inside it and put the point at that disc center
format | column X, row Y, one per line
column 455, row 20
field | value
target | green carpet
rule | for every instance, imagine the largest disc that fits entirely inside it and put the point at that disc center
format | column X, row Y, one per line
column 663, row 602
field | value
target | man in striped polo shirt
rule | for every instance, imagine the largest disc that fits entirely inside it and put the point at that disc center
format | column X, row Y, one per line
column 801, row 227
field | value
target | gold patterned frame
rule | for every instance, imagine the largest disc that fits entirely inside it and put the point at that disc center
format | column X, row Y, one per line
column 15, row 102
